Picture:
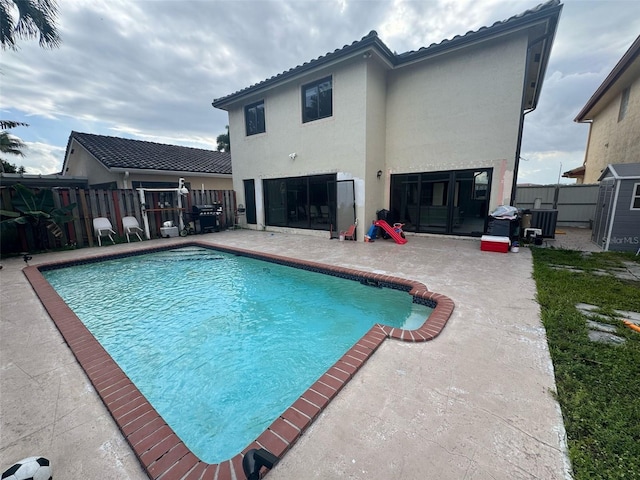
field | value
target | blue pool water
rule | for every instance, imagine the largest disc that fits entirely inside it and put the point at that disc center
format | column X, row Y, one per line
column 222, row 344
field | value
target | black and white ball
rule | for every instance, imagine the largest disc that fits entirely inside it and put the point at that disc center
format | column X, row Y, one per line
column 32, row 468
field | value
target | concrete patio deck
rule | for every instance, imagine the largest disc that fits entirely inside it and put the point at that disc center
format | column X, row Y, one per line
column 475, row 403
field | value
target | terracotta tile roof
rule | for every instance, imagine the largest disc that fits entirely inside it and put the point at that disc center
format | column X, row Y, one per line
column 371, row 41
column 116, row 152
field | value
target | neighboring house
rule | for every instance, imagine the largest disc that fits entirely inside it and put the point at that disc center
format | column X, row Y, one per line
column 112, row 162
column 613, row 114
column 432, row 135
column 616, row 224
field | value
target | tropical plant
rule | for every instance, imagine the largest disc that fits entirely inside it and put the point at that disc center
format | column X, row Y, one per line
column 11, row 144
column 37, row 210
column 35, row 18
column 224, row 141
column 6, row 124
column 8, row 167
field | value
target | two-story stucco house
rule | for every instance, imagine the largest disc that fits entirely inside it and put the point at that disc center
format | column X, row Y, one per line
column 433, row 135
column 613, row 114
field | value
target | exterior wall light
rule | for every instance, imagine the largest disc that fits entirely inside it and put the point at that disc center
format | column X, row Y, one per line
column 379, row 174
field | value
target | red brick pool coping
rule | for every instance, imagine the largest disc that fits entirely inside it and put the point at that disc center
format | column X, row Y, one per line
column 159, row 450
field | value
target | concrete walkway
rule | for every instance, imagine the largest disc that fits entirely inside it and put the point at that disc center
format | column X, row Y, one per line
column 475, row 403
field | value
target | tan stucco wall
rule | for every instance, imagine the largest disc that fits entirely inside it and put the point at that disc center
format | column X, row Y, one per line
column 330, row 145
column 459, row 111
column 613, row 142
column 376, row 114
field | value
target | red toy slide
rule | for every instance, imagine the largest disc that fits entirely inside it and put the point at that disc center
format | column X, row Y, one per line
column 392, row 233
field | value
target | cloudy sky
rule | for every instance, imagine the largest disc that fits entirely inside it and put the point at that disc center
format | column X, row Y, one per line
column 150, row 69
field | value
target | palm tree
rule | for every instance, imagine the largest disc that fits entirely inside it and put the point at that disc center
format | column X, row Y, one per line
column 11, row 144
column 14, row 146
column 36, row 18
column 224, row 141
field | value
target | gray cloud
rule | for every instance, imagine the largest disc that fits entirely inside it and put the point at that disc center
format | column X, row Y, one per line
column 150, row 69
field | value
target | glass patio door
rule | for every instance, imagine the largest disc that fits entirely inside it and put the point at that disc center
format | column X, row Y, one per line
column 345, row 205
column 453, row 202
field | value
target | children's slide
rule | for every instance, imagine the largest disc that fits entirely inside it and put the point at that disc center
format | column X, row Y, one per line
column 389, row 229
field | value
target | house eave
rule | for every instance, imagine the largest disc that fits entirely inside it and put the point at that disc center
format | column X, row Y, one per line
column 178, row 173
column 370, row 44
column 618, row 71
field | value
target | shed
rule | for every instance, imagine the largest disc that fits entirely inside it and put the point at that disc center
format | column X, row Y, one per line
column 617, row 216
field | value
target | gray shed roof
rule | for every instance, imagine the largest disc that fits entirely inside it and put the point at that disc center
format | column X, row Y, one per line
column 546, row 12
column 115, row 152
column 620, row 171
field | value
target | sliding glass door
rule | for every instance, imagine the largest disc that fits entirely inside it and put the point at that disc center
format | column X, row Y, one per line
column 453, row 202
column 301, row 202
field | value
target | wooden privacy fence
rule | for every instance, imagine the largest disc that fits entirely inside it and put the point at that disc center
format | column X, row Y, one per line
column 114, row 205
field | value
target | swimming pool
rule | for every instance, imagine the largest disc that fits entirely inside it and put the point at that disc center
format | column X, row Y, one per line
column 142, row 432
column 221, row 344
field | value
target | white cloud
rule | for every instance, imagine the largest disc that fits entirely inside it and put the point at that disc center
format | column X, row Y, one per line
column 547, row 167
column 41, row 158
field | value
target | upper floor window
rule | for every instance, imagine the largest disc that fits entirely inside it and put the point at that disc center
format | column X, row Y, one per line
column 317, row 100
column 254, row 118
column 624, row 103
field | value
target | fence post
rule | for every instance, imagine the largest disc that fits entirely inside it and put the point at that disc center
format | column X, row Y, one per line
column 85, row 211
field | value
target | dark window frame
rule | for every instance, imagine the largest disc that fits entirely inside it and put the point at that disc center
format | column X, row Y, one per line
column 306, row 202
column 260, row 120
column 324, row 102
column 624, row 103
column 635, row 197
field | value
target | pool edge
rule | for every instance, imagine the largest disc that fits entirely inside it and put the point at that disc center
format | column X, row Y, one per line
column 158, row 449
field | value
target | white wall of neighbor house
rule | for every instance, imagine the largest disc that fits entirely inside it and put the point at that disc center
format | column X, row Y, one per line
column 329, row 145
column 193, row 181
column 613, row 140
column 459, row 111
column 82, row 163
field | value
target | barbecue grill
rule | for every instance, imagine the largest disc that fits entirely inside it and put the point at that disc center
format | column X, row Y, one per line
column 205, row 217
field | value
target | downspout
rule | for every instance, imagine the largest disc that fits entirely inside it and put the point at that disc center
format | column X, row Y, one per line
column 514, row 184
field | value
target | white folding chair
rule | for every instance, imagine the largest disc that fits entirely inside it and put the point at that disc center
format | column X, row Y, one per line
column 131, row 227
column 102, row 227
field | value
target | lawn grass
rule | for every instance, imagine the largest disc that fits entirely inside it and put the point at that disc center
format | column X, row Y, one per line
column 598, row 384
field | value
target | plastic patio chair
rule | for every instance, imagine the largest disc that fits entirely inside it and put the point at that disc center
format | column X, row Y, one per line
column 131, row 227
column 350, row 233
column 102, row 227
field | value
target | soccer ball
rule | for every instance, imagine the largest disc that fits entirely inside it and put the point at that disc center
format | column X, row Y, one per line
column 32, row 468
